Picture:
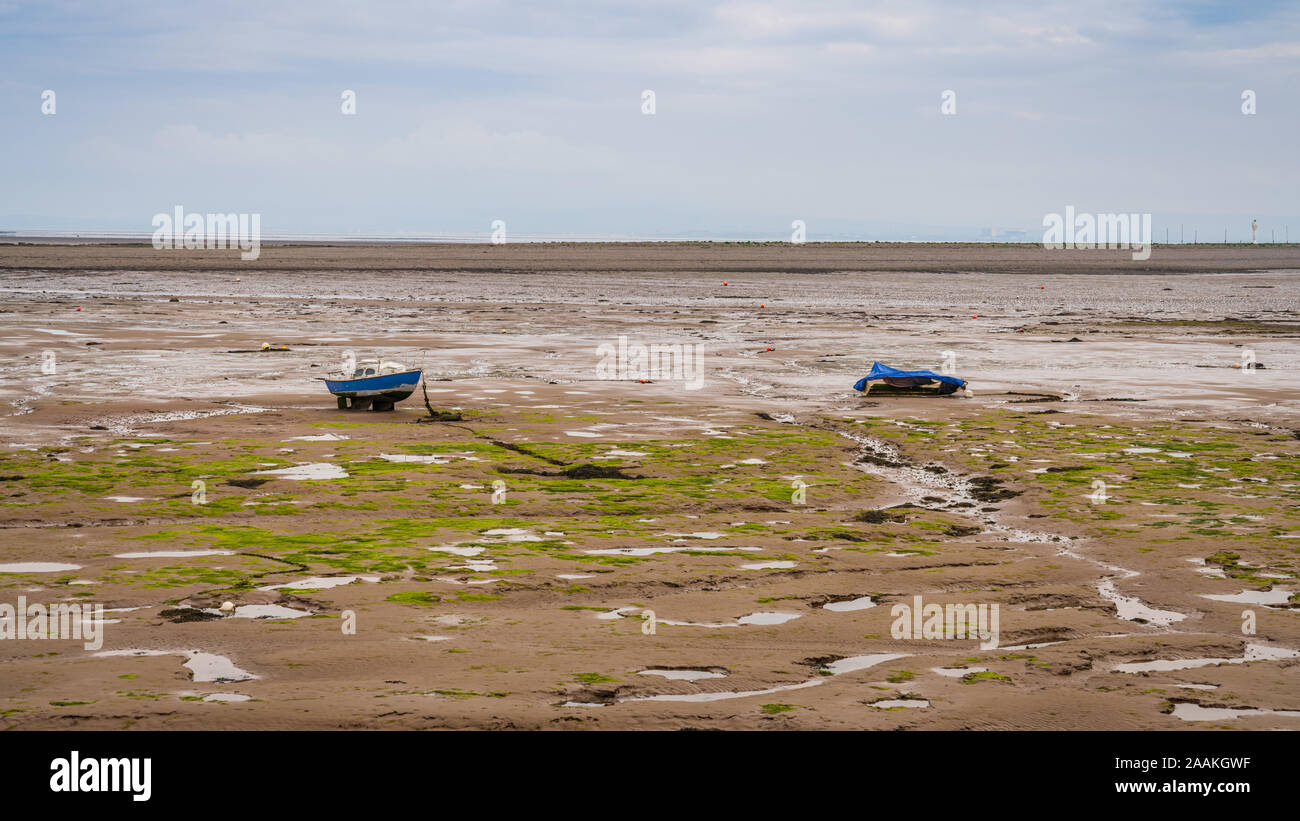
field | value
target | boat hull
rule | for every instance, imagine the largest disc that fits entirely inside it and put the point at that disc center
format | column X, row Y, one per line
column 391, row 387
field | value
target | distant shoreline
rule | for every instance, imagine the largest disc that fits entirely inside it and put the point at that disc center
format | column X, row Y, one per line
column 696, row 257
column 109, row 238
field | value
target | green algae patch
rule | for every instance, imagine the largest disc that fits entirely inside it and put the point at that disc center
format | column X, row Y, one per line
column 421, row 597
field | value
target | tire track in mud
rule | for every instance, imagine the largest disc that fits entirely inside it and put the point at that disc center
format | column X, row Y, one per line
column 961, row 494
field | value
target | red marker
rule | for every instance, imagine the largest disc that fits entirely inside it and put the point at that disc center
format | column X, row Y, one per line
column 724, row 282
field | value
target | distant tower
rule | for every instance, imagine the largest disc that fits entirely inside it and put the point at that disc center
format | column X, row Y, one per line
column 1254, row 226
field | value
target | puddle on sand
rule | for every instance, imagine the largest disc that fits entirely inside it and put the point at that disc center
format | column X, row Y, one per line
column 717, row 696
column 458, row 551
column 649, row 551
column 769, row 566
column 453, row 580
column 37, row 567
column 1260, row 597
column 211, row 667
column 204, row 667
column 1195, row 712
column 860, row 603
column 893, row 703
column 234, row 697
column 265, row 611
column 845, row 665
column 324, row 437
column 307, row 471
column 852, row 663
column 574, row 576
column 1213, row 571
column 681, row 675
column 480, row 566
column 1254, row 652
column 320, row 582
column 415, row 459
column 1131, row 608
column 762, row 619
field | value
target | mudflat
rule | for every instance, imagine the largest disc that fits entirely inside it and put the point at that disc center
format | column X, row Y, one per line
column 587, row 547
column 693, row 257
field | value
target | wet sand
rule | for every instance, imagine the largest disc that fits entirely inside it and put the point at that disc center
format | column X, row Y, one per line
column 470, row 614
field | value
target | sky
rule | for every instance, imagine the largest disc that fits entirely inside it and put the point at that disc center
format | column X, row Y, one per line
column 764, row 113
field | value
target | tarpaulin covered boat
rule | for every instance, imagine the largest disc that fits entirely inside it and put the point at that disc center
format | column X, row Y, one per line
column 943, row 383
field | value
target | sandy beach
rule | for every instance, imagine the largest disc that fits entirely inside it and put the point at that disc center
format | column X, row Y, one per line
column 498, row 568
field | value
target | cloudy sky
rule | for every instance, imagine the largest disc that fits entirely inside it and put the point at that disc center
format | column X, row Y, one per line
column 765, row 112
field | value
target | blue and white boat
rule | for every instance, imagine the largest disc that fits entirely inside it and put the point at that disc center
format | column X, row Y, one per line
column 376, row 385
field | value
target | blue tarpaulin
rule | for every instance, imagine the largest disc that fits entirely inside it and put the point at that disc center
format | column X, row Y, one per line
column 908, row 378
